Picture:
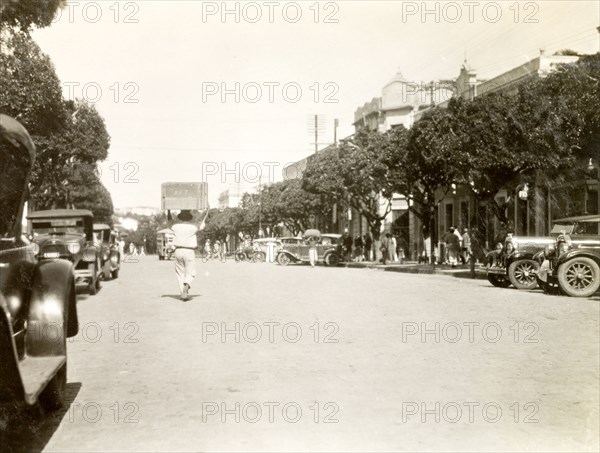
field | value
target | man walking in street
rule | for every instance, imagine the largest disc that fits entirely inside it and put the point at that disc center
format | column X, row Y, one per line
column 185, row 250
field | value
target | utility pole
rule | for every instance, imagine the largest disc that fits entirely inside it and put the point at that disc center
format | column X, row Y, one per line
column 259, row 208
column 316, row 134
column 336, row 123
column 316, row 124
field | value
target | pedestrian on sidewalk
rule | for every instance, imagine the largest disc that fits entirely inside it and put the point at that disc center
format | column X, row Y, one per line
column 392, row 247
column 466, row 246
column 460, row 245
column 358, row 246
column 385, row 244
column 453, row 246
column 347, row 241
column 368, row 247
column 185, row 250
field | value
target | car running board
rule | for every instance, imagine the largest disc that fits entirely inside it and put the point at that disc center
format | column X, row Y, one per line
column 37, row 372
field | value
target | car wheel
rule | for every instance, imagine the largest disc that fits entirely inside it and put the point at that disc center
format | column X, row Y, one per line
column 521, row 274
column 53, row 396
column 579, row 277
column 500, row 281
column 261, row 257
column 283, row 259
column 332, row 259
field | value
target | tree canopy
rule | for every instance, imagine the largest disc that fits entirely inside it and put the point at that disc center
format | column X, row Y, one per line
column 26, row 14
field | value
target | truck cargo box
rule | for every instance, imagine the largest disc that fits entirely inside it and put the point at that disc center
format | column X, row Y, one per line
column 184, row 195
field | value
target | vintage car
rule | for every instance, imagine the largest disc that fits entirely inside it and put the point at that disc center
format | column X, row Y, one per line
column 297, row 252
column 68, row 234
column 110, row 257
column 572, row 262
column 164, row 244
column 37, row 298
column 290, row 240
column 514, row 262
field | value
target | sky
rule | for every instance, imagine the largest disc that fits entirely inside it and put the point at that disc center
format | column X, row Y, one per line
column 226, row 92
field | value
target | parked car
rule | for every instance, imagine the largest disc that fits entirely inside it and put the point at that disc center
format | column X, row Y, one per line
column 290, row 240
column 297, row 251
column 37, row 298
column 572, row 262
column 68, row 234
column 110, row 257
column 164, row 244
column 514, row 262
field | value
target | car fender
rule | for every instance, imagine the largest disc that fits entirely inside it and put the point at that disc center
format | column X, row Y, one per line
column 291, row 255
column 586, row 253
column 517, row 256
column 52, row 303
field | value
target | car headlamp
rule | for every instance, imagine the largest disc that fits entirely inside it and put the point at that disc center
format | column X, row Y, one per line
column 499, row 246
column 36, row 248
column 549, row 251
column 74, row 247
column 563, row 247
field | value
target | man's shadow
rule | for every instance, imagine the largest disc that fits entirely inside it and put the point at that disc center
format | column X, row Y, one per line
column 178, row 297
column 29, row 429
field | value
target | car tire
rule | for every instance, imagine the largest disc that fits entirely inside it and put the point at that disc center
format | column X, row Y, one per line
column 261, row 257
column 499, row 281
column 160, row 257
column 521, row 275
column 115, row 274
column 579, row 277
column 240, row 256
column 53, row 396
column 332, row 259
column 283, row 259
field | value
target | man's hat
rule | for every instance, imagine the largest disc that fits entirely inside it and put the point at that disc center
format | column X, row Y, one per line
column 185, row 215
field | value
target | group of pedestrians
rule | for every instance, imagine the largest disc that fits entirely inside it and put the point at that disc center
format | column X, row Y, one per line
column 360, row 248
column 458, row 246
column 357, row 249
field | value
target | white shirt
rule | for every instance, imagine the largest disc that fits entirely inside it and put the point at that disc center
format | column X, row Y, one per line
column 185, row 235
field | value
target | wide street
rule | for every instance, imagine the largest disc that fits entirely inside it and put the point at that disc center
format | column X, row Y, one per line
column 272, row 358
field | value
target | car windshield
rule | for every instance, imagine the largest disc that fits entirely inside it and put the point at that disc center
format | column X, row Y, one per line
column 58, row 226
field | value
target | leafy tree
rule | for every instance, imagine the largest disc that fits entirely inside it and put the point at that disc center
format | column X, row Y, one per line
column 424, row 164
column 29, row 87
column 87, row 192
column 355, row 172
column 288, row 202
column 25, row 14
column 67, row 159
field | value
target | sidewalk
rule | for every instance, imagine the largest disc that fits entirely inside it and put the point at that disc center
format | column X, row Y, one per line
column 412, row 267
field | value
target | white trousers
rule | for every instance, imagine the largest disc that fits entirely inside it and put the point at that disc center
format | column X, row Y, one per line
column 185, row 266
column 312, row 256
